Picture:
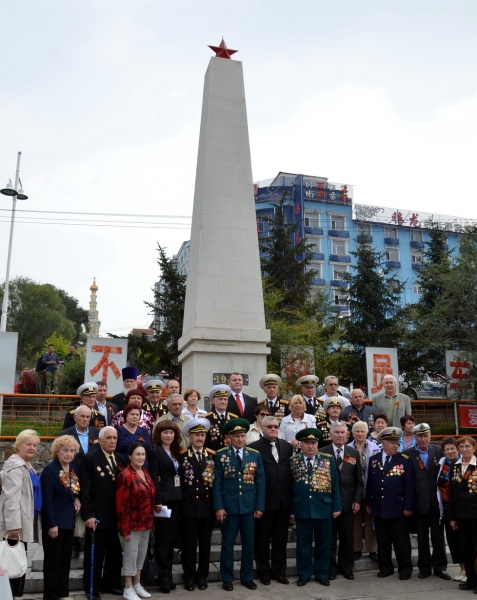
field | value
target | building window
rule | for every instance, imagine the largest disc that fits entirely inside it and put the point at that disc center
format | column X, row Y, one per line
column 316, row 241
column 394, row 286
column 416, row 257
column 391, row 232
column 416, row 236
column 417, row 288
column 338, row 247
column 337, row 223
column 316, row 267
column 392, row 254
column 339, row 271
column 312, row 220
column 340, row 299
column 364, row 229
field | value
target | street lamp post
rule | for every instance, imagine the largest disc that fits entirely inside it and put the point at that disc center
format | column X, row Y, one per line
column 17, row 194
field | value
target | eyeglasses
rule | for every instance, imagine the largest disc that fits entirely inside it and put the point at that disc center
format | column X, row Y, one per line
column 263, row 414
column 271, row 426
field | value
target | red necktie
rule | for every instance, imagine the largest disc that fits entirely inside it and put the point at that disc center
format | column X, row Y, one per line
column 239, row 404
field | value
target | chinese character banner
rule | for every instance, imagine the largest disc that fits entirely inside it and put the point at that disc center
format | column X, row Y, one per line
column 468, row 415
column 379, row 363
column 458, row 373
column 105, row 357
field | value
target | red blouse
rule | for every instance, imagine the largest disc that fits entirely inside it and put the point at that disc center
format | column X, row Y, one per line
column 134, row 501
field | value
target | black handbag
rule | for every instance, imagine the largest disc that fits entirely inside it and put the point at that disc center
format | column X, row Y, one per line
column 150, row 569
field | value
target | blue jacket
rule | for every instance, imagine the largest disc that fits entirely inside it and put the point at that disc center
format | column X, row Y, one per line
column 58, row 501
column 239, row 489
column 390, row 492
column 318, row 497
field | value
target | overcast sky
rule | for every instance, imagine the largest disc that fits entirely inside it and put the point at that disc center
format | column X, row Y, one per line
column 103, row 97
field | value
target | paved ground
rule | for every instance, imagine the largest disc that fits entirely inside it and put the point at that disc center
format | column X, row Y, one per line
column 366, row 585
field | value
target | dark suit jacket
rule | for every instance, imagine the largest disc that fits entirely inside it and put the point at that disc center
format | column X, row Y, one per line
column 93, row 433
column 390, row 491
column 98, row 489
column 277, row 474
column 425, row 479
column 350, row 476
column 462, row 498
column 58, row 501
column 162, row 471
column 119, row 399
column 249, row 410
column 197, row 499
column 112, row 410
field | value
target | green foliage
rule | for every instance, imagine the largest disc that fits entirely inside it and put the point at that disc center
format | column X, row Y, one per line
column 143, row 354
column 76, row 314
column 287, row 266
column 61, row 344
column 72, row 375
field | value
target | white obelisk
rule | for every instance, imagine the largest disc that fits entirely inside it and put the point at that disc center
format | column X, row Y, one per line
column 224, row 322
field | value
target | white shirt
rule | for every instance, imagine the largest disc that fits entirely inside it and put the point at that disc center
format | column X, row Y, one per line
column 240, row 394
column 103, row 409
column 200, row 413
column 312, row 459
column 335, row 448
column 289, row 428
column 239, row 450
column 383, row 458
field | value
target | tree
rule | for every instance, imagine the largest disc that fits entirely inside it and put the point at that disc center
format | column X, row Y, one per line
column 72, row 375
column 61, row 344
column 168, row 309
column 373, row 299
column 35, row 311
column 287, row 265
column 75, row 313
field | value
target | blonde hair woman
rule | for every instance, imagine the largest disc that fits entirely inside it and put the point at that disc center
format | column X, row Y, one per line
column 297, row 420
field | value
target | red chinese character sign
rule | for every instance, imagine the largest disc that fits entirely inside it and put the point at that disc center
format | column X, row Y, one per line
column 379, row 363
column 467, row 415
column 105, row 358
column 458, row 373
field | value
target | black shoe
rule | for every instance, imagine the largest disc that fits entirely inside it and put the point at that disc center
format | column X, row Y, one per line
column 332, row 575
column 281, row 579
column 250, row 585
column 373, row 556
column 466, row 586
column 265, row 580
column 322, row 581
column 405, row 577
column 228, row 586
column 423, row 575
column 202, row 584
column 189, row 586
column 443, row 575
column 347, row 575
column 165, row 589
column 357, row 555
column 301, row 582
column 381, row 574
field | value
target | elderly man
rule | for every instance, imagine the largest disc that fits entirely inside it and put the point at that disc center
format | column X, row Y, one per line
column 98, row 474
column 425, row 460
column 313, row 405
column 333, row 408
column 174, row 413
column 130, row 375
column 106, row 408
column 87, row 395
column 277, row 406
column 392, row 403
column 316, row 501
column 272, row 528
column 350, row 478
column 239, row 499
column 389, row 500
column 358, row 410
column 332, row 389
column 153, row 404
column 239, row 403
column 218, row 417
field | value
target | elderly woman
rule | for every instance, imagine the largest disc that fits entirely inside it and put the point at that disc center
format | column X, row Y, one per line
column 255, row 431
column 366, row 448
column 136, row 398
column 462, row 506
column 135, row 495
column 451, row 454
column 380, row 423
column 164, row 468
column 297, row 420
column 131, row 432
column 60, row 488
column 192, row 411
column 407, row 439
column 21, row 500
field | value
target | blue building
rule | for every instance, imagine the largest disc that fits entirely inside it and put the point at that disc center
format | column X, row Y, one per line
column 327, row 216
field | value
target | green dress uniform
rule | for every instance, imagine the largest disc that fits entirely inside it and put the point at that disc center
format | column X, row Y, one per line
column 240, row 491
column 316, row 496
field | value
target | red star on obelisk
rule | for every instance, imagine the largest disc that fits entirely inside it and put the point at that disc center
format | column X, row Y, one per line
column 222, row 51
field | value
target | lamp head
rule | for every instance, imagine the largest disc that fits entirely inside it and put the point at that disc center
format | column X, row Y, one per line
column 21, row 195
column 8, row 189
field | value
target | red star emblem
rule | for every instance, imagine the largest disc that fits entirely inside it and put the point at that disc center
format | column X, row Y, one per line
column 222, row 51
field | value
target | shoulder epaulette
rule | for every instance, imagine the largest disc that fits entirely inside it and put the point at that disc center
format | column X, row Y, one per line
column 184, row 450
column 261, row 401
column 252, row 449
column 210, row 451
column 222, row 449
column 285, row 401
column 96, row 412
column 404, row 455
column 232, row 415
column 208, row 414
column 72, row 412
column 322, row 422
column 325, row 454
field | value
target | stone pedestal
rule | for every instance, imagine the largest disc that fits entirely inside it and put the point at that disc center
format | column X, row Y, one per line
column 224, row 323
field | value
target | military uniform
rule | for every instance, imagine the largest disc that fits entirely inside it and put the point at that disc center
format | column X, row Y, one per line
column 215, row 439
column 280, row 408
column 316, row 496
column 197, row 512
column 97, row 419
column 324, row 427
column 239, row 489
column 156, row 410
column 389, row 492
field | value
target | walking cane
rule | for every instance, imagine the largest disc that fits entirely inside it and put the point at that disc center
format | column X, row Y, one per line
column 91, row 572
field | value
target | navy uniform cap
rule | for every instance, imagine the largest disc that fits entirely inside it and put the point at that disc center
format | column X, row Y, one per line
column 220, row 390
column 87, row 389
column 198, row 425
column 153, row 384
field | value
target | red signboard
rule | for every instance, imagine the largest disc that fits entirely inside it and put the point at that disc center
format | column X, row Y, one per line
column 468, row 415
